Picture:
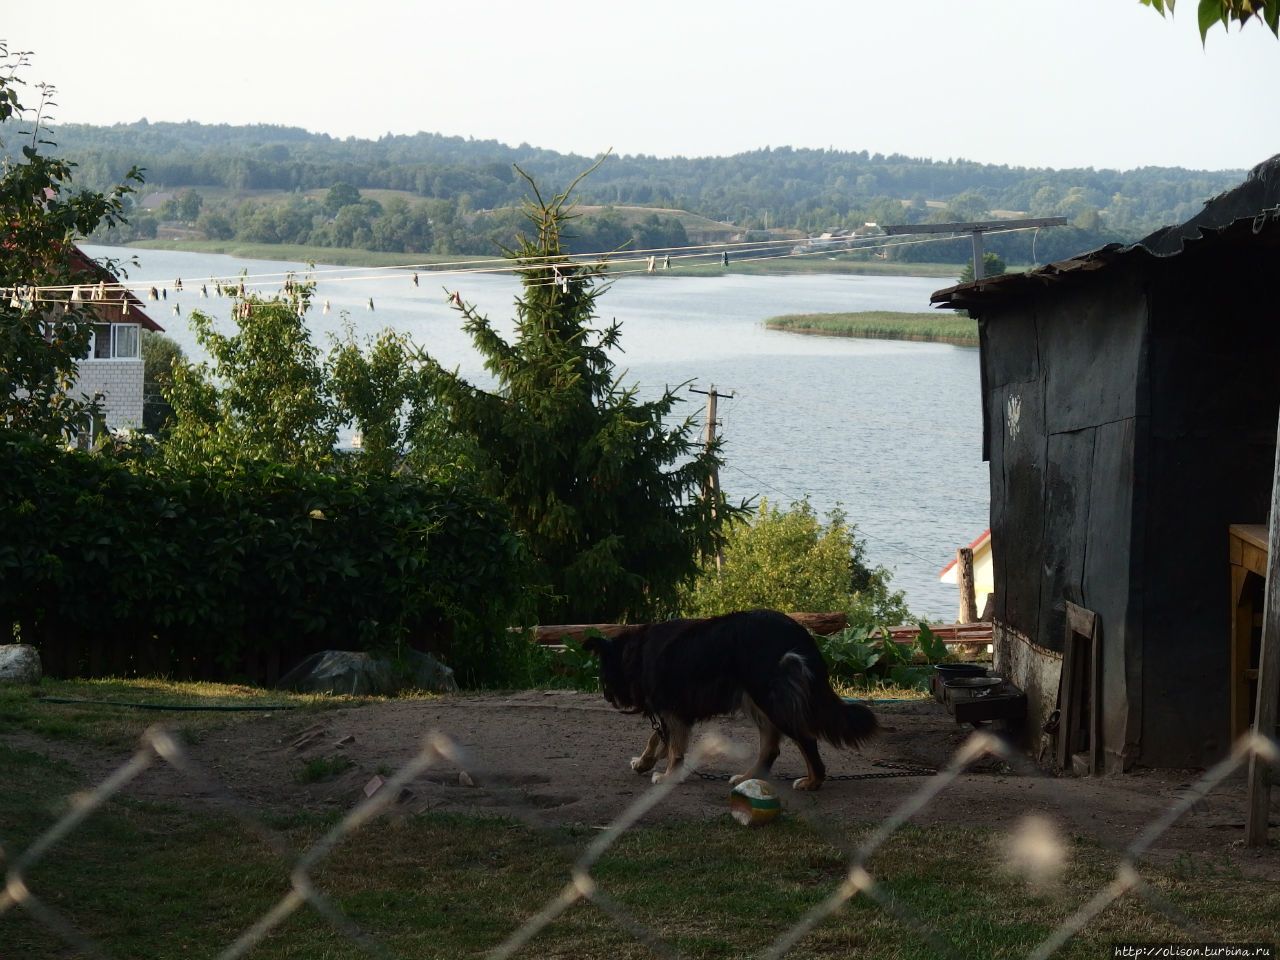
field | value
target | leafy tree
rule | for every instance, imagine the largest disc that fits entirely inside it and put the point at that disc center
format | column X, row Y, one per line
column 992, row 266
column 791, row 561
column 603, row 489
column 188, row 206
column 967, row 207
column 43, row 332
column 341, row 195
column 1210, row 12
column 159, row 354
column 265, row 397
column 215, row 225
column 376, row 389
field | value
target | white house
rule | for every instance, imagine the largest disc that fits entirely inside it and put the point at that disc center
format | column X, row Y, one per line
column 113, row 367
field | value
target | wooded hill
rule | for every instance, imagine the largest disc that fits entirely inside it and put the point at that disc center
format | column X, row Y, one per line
column 450, row 195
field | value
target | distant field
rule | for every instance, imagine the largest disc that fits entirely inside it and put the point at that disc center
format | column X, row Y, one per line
column 943, row 327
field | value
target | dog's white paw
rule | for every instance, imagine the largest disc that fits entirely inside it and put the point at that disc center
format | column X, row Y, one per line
column 804, row 783
column 641, row 765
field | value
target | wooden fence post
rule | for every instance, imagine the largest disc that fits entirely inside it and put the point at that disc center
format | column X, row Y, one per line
column 1264, row 717
column 964, row 577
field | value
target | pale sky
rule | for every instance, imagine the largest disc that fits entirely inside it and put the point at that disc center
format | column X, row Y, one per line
column 1046, row 83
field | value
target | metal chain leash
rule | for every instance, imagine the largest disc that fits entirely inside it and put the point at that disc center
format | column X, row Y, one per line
column 900, row 769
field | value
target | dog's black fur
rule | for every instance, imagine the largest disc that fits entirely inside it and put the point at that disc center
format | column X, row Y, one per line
column 759, row 661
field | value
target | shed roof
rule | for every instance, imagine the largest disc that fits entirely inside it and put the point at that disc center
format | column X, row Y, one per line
column 1250, row 209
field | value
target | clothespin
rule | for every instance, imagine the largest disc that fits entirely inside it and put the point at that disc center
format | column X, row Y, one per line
column 326, row 306
column 75, row 292
column 177, row 311
column 242, row 293
column 204, row 290
column 177, row 284
column 415, row 279
column 153, row 294
column 164, row 293
column 101, row 292
column 371, row 303
column 124, row 305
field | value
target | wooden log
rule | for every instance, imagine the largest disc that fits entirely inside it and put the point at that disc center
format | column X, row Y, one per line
column 964, row 576
column 553, row 634
column 823, row 624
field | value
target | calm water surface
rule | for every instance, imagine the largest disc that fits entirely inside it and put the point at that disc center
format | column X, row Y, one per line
column 889, row 430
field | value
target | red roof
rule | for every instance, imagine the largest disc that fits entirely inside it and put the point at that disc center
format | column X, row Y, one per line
column 113, row 310
column 983, row 539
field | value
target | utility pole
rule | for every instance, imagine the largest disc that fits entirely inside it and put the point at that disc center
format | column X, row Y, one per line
column 976, row 229
column 711, row 489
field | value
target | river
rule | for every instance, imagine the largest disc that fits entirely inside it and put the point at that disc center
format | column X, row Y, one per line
column 891, row 431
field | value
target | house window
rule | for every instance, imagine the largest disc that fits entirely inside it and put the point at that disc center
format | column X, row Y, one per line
column 114, row 341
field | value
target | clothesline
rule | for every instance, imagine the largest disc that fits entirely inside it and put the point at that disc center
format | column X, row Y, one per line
column 612, row 265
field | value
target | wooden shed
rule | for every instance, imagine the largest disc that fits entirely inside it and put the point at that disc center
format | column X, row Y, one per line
column 1130, row 398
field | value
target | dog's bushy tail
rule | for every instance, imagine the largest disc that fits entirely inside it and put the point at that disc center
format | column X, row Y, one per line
column 843, row 723
column 811, row 706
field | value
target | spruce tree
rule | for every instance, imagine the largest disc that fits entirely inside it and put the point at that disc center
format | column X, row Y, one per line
column 606, row 490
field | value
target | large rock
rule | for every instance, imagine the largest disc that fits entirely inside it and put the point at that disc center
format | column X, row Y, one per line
column 355, row 673
column 20, row 663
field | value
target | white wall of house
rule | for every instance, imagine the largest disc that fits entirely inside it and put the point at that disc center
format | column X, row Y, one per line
column 120, row 383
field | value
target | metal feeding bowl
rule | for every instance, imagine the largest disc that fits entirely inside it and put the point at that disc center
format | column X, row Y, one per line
column 969, row 688
column 950, row 671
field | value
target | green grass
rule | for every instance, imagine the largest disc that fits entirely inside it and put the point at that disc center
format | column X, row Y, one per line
column 323, row 768
column 941, row 327
column 97, row 711
column 146, row 879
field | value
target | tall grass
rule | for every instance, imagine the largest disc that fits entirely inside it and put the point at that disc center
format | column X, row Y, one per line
column 940, row 327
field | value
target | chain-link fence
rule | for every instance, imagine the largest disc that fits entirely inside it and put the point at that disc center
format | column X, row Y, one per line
column 159, row 747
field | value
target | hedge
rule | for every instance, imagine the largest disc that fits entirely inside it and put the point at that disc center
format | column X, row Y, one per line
column 116, row 568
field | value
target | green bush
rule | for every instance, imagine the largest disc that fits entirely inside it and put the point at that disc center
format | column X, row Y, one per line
column 862, row 657
column 219, row 567
column 793, row 562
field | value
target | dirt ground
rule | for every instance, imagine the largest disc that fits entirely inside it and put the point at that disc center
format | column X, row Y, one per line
column 562, row 757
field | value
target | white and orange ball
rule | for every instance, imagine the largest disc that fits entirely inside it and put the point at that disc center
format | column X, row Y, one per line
column 753, row 803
